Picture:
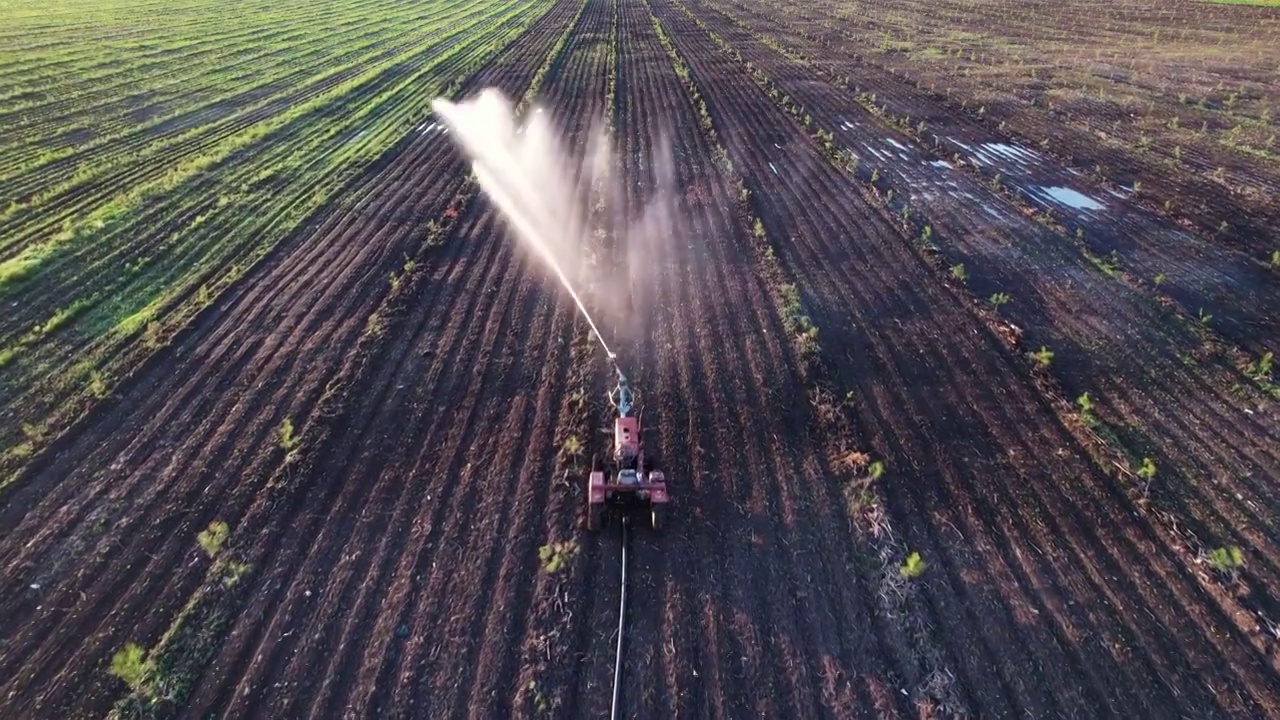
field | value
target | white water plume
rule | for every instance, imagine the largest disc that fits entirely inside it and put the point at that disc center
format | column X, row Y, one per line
column 568, row 209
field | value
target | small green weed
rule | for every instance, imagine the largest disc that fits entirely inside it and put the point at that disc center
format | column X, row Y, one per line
column 540, row 703
column 1086, row 410
column 913, row 567
column 1148, row 473
column 233, row 572
column 572, row 447
column 212, row 537
column 151, row 338
column 97, row 386
column 374, row 327
column 1042, row 357
column 286, row 437
column 875, row 469
column 1148, row 469
column 131, row 665
column 555, row 556
column 1260, row 370
column 1227, row 560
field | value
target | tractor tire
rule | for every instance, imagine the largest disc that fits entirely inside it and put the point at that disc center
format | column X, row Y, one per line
column 595, row 518
column 658, row 517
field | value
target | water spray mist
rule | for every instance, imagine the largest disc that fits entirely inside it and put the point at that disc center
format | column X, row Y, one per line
column 531, row 182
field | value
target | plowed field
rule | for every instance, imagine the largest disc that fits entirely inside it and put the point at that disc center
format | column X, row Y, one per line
column 956, row 352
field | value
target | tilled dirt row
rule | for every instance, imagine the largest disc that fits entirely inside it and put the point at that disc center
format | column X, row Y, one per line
column 393, row 564
column 1202, row 277
column 172, row 257
column 750, row 603
column 435, row 496
column 102, row 537
column 1215, row 440
column 1140, row 114
column 921, row 407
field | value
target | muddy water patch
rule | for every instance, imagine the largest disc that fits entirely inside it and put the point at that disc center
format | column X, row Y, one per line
column 1067, row 197
column 1011, row 152
column 879, row 155
column 1004, row 155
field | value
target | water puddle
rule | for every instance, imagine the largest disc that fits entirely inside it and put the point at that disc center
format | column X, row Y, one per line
column 1070, row 198
column 1013, row 153
column 896, row 144
column 940, row 164
column 994, row 153
column 774, row 169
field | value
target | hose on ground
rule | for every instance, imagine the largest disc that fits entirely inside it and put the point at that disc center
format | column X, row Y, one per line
column 616, row 707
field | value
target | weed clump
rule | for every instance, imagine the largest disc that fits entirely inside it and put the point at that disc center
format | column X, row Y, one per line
column 132, row 666
column 212, row 537
column 913, row 567
column 556, row 556
column 287, row 439
column 1227, row 561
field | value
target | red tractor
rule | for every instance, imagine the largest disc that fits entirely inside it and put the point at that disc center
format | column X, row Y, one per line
column 625, row 481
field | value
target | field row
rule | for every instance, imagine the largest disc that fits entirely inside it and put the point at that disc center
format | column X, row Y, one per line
column 939, row 445
column 1176, row 109
column 107, row 291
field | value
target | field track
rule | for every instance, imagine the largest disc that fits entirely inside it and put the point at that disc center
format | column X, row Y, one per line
column 219, row 229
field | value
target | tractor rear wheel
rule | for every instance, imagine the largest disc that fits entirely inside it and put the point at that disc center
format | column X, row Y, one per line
column 658, row 517
column 594, row 517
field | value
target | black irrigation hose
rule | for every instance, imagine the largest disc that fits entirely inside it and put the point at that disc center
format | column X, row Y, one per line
column 616, row 707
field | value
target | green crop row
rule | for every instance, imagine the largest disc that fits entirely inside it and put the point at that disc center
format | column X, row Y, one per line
column 136, row 271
